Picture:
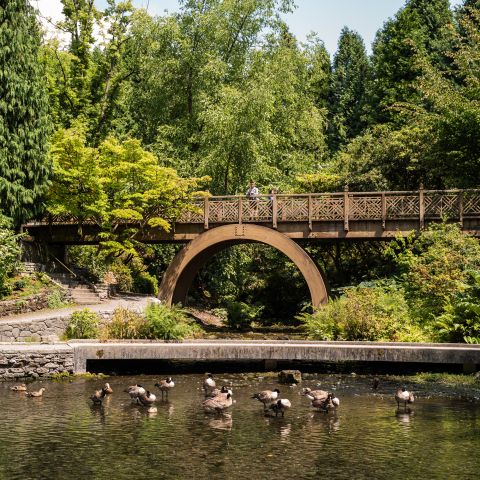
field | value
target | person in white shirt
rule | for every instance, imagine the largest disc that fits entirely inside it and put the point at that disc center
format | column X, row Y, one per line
column 252, row 195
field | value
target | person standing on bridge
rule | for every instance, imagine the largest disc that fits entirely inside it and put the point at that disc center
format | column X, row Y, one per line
column 252, row 195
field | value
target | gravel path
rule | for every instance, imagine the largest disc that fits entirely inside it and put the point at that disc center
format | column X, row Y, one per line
column 133, row 302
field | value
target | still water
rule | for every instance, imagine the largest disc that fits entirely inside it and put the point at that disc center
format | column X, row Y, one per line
column 61, row 436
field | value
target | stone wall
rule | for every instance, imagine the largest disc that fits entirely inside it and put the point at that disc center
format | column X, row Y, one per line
column 40, row 330
column 32, row 303
column 25, row 361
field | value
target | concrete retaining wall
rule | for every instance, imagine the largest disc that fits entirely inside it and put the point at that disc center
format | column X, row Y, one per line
column 34, row 361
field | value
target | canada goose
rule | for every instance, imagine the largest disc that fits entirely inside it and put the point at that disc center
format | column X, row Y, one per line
column 267, row 397
column 224, row 390
column 107, row 388
column 147, row 399
column 325, row 403
column 217, row 404
column 35, row 394
column 98, row 396
column 19, row 388
column 281, row 405
column 402, row 395
column 315, row 394
column 135, row 391
column 375, row 383
column 165, row 386
column 209, row 384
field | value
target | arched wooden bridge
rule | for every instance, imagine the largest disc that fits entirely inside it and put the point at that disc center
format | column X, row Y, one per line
column 281, row 221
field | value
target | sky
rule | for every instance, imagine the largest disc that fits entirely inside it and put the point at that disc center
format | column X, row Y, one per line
column 325, row 17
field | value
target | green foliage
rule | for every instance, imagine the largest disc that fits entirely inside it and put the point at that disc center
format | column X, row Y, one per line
column 143, row 282
column 125, row 324
column 56, row 299
column 241, row 315
column 24, row 123
column 460, row 321
column 83, row 324
column 167, row 323
column 350, row 76
column 9, row 254
column 435, row 268
column 123, row 277
column 367, row 314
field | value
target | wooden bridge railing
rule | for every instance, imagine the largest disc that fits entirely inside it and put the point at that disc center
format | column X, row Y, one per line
column 343, row 207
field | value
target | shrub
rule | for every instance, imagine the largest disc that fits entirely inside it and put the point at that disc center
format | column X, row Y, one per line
column 371, row 314
column 167, row 323
column 435, row 268
column 19, row 284
column 83, row 324
column 124, row 324
column 123, row 277
column 143, row 282
column 240, row 315
column 88, row 258
column 460, row 321
column 56, row 300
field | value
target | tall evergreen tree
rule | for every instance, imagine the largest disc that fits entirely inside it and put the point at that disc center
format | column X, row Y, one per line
column 418, row 27
column 24, row 123
column 349, row 77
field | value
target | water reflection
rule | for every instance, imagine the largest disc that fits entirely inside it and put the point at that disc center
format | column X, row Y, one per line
column 354, row 441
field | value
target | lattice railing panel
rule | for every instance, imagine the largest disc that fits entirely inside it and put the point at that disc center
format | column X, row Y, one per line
column 364, row 208
column 327, row 208
column 402, row 206
column 193, row 215
column 292, row 209
column 223, row 211
column 471, row 204
column 442, row 205
column 257, row 210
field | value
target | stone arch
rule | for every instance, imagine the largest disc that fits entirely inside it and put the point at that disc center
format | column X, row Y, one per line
column 180, row 273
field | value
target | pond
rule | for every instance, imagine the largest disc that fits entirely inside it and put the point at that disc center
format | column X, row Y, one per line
column 62, row 436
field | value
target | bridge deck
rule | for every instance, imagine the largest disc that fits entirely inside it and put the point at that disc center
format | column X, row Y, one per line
column 345, row 215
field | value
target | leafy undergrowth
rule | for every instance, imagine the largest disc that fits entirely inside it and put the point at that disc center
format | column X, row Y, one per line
column 72, row 376
column 22, row 285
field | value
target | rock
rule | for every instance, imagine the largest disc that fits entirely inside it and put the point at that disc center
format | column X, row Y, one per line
column 290, row 376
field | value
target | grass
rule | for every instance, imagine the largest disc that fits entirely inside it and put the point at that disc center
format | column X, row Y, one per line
column 71, row 376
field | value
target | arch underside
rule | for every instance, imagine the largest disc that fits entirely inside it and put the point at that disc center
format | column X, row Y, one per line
column 187, row 263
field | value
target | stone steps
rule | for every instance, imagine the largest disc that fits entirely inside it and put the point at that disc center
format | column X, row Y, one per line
column 81, row 293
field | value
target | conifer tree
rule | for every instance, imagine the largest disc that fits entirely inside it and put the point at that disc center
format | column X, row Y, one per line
column 24, row 123
column 417, row 28
column 349, row 76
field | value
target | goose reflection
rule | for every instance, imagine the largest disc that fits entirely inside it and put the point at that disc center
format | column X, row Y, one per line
column 404, row 418
column 222, row 422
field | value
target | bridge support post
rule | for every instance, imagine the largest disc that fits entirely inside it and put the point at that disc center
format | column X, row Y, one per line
column 346, row 208
column 421, row 200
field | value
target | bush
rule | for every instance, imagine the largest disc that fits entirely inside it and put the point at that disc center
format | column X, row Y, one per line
column 89, row 258
column 124, row 324
column 435, row 268
column 370, row 314
column 56, row 300
column 143, row 282
column 123, row 277
column 240, row 315
column 83, row 324
column 460, row 321
column 167, row 323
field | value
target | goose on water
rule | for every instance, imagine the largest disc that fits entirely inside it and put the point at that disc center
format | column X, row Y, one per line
column 165, row 386
column 217, row 404
column 224, row 390
column 315, row 394
column 402, row 395
column 135, row 391
column 281, row 406
column 98, row 396
column 146, row 399
column 267, row 397
column 107, row 388
column 35, row 394
column 209, row 384
column 19, row 388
